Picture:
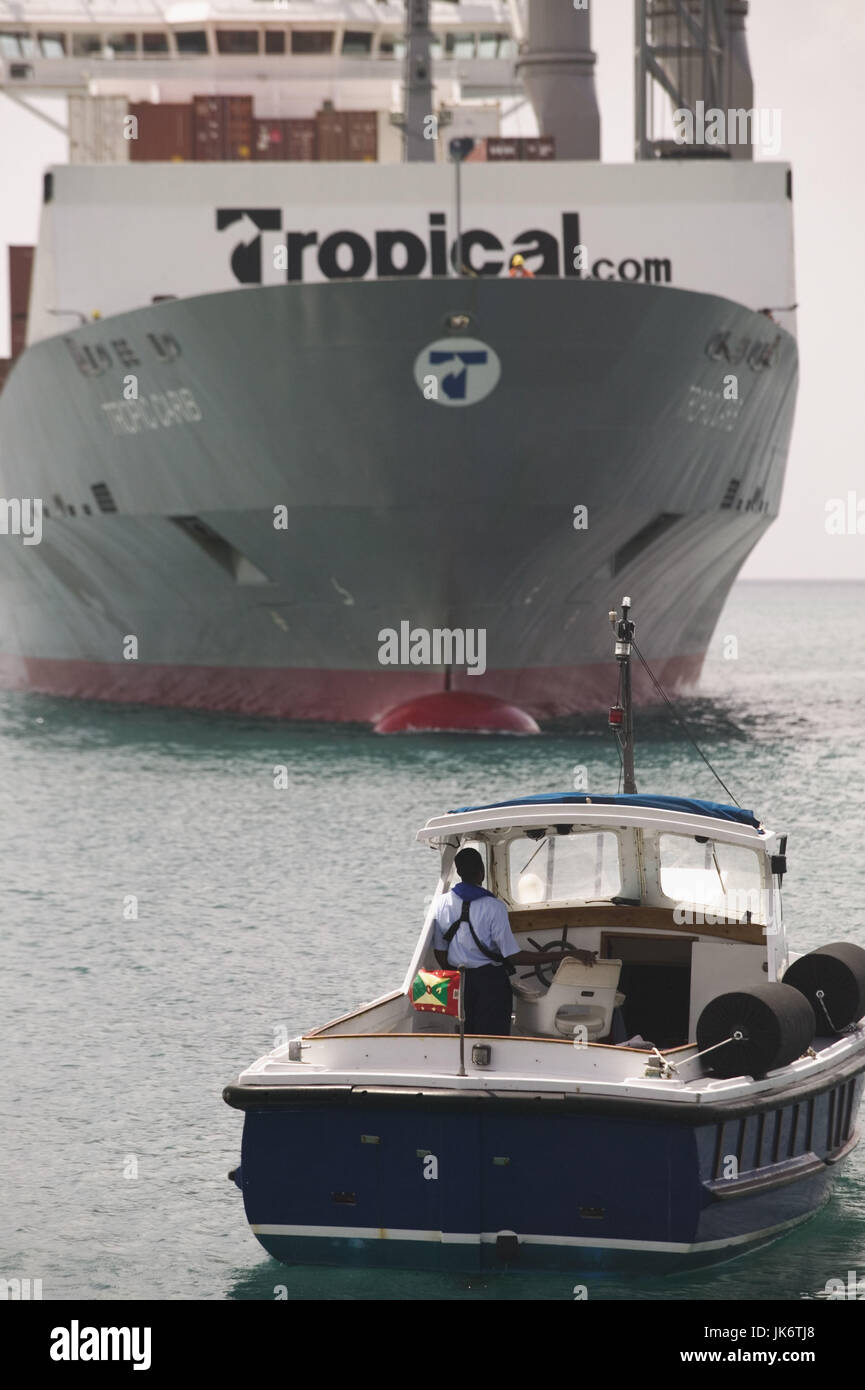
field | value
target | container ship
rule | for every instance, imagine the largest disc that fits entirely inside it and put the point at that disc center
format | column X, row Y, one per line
column 294, row 434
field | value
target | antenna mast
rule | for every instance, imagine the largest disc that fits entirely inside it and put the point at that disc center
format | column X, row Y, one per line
column 621, row 715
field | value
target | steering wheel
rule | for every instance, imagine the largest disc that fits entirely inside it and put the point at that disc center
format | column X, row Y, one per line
column 545, row 973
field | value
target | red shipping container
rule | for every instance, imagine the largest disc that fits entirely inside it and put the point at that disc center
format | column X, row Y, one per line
column 208, row 127
column 301, row 139
column 164, row 131
column 332, row 134
column 20, row 275
column 222, row 127
column 269, row 139
column 238, row 127
column 361, row 135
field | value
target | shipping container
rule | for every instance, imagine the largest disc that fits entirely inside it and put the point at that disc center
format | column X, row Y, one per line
column 361, row 135
column 98, row 133
column 238, row 127
column 281, row 138
column 164, row 131
column 20, row 275
column 347, row 134
column 208, row 128
column 332, row 134
column 301, row 137
column 269, row 139
column 222, row 127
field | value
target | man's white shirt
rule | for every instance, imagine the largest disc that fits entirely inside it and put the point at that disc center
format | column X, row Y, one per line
column 489, row 918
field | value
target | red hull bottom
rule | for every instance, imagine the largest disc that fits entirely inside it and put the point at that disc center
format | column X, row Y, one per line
column 364, row 697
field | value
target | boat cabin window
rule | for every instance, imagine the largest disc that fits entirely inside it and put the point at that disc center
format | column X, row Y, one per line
column 581, row 867
column 720, row 878
column 483, row 850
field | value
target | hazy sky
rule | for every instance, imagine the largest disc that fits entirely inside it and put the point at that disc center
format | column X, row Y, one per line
column 808, row 60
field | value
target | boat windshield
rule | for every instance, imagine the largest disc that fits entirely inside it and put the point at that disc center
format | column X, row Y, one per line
column 582, row 867
column 721, row 878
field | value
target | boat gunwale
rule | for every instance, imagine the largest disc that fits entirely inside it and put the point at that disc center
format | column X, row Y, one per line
column 693, row 1107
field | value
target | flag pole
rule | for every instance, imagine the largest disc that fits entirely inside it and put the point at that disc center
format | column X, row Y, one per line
column 462, row 1024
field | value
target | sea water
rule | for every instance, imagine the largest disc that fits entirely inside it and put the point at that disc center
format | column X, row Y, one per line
column 172, row 907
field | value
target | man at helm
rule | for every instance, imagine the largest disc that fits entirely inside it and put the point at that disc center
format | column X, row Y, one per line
column 519, row 270
column 472, row 933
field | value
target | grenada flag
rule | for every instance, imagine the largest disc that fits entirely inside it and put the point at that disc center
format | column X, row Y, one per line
column 436, row 992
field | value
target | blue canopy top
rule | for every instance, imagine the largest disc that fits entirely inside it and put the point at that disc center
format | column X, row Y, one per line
column 715, row 809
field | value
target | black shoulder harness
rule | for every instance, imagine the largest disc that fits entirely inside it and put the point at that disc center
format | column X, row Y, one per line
column 494, row 956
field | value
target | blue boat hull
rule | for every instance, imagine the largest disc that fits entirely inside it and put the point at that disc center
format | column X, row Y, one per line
column 539, row 1184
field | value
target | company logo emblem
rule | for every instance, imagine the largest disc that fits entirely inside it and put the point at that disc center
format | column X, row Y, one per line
column 457, row 371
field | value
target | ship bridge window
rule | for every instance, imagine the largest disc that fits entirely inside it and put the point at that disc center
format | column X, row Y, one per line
column 312, row 40
column 237, row 40
column 274, row 41
column 356, row 43
column 191, row 41
column 460, row 45
column 392, row 46
column 120, row 45
column 720, row 879
column 154, row 43
column 580, row 867
column 17, row 45
column 52, row 45
column 496, row 46
column 87, row 45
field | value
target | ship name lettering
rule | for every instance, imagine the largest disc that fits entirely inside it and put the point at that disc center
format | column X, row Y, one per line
column 346, row 254
column 160, row 408
column 710, row 408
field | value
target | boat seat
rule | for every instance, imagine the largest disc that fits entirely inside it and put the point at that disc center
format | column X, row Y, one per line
column 530, row 988
column 579, row 996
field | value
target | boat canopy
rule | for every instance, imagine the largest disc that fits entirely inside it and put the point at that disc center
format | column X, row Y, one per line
column 718, row 810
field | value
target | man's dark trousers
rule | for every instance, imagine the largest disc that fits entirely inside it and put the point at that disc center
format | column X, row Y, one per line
column 488, row 1001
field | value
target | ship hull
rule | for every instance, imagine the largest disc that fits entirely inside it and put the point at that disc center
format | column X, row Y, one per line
column 280, row 489
column 344, row 1180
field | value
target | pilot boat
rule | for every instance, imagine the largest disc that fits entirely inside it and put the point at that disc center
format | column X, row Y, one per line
column 688, row 1096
